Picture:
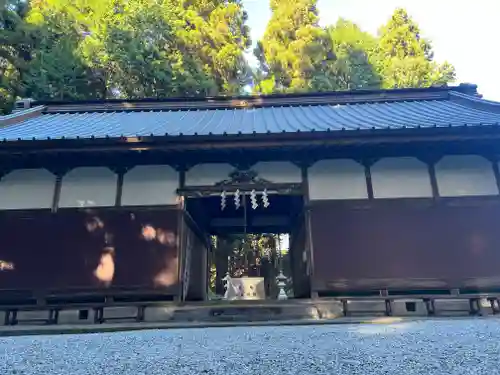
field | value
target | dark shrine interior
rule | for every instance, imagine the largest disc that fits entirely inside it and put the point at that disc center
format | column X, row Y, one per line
column 279, row 217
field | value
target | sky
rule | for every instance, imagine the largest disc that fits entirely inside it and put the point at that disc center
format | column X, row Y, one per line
column 464, row 33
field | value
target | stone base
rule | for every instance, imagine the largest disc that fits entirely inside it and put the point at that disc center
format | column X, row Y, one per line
column 372, row 308
column 32, row 317
column 258, row 311
column 76, row 316
column 409, row 307
column 159, row 314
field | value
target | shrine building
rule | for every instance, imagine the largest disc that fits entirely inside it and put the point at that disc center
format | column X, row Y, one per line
column 395, row 190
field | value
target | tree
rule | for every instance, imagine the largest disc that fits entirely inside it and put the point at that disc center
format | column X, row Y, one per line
column 141, row 53
column 138, row 48
column 405, row 59
column 16, row 42
column 294, row 47
column 217, row 34
column 353, row 65
column 58, row 69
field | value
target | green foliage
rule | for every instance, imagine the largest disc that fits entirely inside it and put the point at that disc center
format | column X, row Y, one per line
column 217, row 35
column 296, row 54
column 354, row 51
column 293, row 49
column 90, row 49
column 16, row 42
column 405, row 59
column 137, row 48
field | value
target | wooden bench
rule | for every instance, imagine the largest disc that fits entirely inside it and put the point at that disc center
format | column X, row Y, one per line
column 429, row 300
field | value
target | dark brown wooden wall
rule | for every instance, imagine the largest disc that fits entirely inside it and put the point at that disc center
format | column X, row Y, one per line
column 198, row 267
column 406, row 245
column 301, row 288
column 62, row 250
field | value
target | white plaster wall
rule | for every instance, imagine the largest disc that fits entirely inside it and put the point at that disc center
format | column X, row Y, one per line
column 88, row 187
column 150, row 185
column 464, row 175
column 400, row 178
column 278, row 172
column 27, row 189
column 337, row 179
column 208, row 174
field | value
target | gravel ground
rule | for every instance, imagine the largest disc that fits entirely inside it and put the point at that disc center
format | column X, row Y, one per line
column 458, row 347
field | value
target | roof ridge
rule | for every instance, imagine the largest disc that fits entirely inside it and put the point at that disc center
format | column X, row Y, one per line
column 21, row 116
column 336, row 98
column 474, row 101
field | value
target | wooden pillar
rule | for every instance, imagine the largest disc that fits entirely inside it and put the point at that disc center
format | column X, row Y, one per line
column 309, row 245
column 120, row 174
column 181, row 236
column 221, row 263
column 431, row 160
column 59, row 173
column 4, row 171
column 496, row 171
column 367, row 164
column 198, row 267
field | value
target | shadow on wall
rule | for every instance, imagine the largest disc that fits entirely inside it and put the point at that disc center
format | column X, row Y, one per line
column 88, row 249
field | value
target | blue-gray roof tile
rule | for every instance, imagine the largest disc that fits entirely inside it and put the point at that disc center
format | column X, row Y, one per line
column 454, row 109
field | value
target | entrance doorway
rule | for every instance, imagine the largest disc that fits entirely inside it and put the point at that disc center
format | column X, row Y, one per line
column 255, row 229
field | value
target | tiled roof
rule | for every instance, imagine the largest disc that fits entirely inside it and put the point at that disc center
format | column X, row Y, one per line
column 350, row 111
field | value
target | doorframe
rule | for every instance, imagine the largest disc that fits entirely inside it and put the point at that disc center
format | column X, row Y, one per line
column 245, row 181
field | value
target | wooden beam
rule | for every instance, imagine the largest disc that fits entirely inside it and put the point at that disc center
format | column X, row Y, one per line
column 369, row 182
column 197, row 191
column 431, row 168
column 262, row 221
column 181, row 236
column 120, row 175
column 308, row 229
column 57, row 188
column 367, row 163
column 496, row 172
column 361, row 137
column 431, row 159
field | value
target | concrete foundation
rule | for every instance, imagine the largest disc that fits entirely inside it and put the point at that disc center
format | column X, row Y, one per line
column 32, row 315
column 159, row 314
column 409, row 307
column 258, row 311
column 76, row 316
column 372, row 308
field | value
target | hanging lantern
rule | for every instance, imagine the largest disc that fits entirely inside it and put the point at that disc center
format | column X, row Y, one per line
column 223, row 200
column 237, row 199
column 265, row 199
column 253, row 199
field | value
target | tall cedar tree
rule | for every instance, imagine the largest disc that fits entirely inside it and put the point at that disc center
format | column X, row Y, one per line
column 405, row 59
column 217, row 34
column 293, row 48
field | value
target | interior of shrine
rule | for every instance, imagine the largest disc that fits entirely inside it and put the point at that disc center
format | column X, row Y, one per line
column 253, row 237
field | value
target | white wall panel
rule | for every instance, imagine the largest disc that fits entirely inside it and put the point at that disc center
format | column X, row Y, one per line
column 278, row 172
column 88, row 187
column 400, row 178
column 465, row 175
column 150, row 185
column 208, row 174
column 27, row 189
column 337, row 179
